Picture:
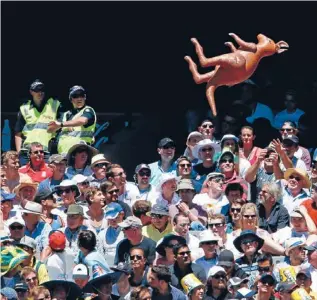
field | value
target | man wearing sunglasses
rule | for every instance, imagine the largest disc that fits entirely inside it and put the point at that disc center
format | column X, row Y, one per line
column 36, row 168
column 34, row 116
column 142, row 177
column 207, row 129
column 99, row 165
column 217, row 283
column 265, row 287
column 160, row 223
column 312, row 260
column 16, row 227
column 166, row 150
column 183, row 265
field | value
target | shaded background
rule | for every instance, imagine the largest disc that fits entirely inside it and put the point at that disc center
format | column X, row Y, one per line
column 129, row 58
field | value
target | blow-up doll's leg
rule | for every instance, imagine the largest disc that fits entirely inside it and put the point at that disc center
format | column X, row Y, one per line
column 198, row 78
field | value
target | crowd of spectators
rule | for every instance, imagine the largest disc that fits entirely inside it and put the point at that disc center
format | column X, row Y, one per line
column 228, row 219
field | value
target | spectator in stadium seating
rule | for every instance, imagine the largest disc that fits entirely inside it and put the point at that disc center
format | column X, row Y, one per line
column 128, row 192
column 29, row 276
column 304, row 281
column 248, row 150
column 83, row 185
column 40, row 292
column 166, row 150
column 79, row 159
column 192, row 140
column 216, row 287
column 166, row 188
column 207, row 129
column 140, row 209
column 234, row 219
column 139, row 266
column 311, row 204
column 234, row 191
column 26, row 190
column 99, row 165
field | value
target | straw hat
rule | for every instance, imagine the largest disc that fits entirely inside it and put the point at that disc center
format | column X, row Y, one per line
column 301, row 173
column 25, row 181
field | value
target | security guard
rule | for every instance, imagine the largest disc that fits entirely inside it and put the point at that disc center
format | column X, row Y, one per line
column 77, row 124
column 34, row 117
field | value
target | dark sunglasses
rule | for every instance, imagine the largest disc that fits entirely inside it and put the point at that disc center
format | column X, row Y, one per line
column 210, row 243
column 248, row 241
column 114, row 191
column 184, row 252
column 206, row 149
column 209, row 126
column 217, row 225
column 235, row 209
column 168, row 147
column 85, row 183
column 16, row 227
column 264, row 269
column 100, row 165
column 220, row 276
column 297, row 178
column 217, row 180
column 38, row 152
column 78, row 96
column 156, row 216
column 145, row 173
column 286, row 129
column 61, row 192
column 249, row 216
column 185, row 165
column 226, row 161
column 268, row 281
column 138, row 257
column 171, row 245
column 119, row 174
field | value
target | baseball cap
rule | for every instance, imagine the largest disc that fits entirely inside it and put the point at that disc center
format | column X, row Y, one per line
column 131, row 221
column 80, row 271
column 75, row 209
column 245, row 293
column 159, row 210
column 5, row 196
column 21, row 287
column 141, row 166
column 296, row 213
column 9, row 293
column 27, row 241
column 304, row 272
column 195, row 133
column 286, row 286
column 166, row 141
column 267, row 278
column 235, row 281
column 311, row 247
column 291, row 137
column 122, row 267
column 112, row 210
column 292, row 243
column 76, row 90
column 226, row 258
column 57, row 240
column 79, row 178
column 215, row 174
column 44, row 194
column 56, row 158
column 214, row 270
column 15, row 219
column 37, row 86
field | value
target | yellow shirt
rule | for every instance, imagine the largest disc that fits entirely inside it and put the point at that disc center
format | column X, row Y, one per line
column 151, row 232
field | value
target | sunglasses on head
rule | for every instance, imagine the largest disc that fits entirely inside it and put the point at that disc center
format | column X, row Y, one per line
column 38, row 152
column 114, row 191
column 184, row 253
column 206, row 149
column 217, row 225
column 248, row 241
column 145, row 173
column 297, row 178
column 238, row 210
column 100, row 165
column 264, row 269
column 185, row 165
column 16, row 227
column 61, row 192
column 137, row 257
column 208, row 126
column 156, row 216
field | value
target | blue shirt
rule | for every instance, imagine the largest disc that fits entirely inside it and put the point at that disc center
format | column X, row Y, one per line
column 157, row 171
column 71, row 171
column 40, row 235
column 49, row 184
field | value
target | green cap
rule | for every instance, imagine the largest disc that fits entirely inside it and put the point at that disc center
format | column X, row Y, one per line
column 75, row 209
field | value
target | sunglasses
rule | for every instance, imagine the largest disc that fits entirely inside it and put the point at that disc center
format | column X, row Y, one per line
column 245, row 242
column 217, row 180
column 297, row 178
column 184, row 252
column 137, row 257
column 268, row 281
column 171, row 245
column 31, row 279
column 207, row 126
column 217, row 225
column 100, row 165
column 206, row 149
column 61, row 192
column 38, row 152
column 156, row 216
column 185, row 165
column 145, row 173
column 238, row 210
column 119, row 174
column 210, row 243
column 226, row 161
column 78, row 96
column 286, row 129
column 85, row 183
column 219, row 276
column 16, row 227
column 114, row 191
column 264, row 269
column 168, row 147
column 249, row 216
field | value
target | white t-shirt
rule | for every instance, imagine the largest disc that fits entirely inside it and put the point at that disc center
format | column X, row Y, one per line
column 285, row 233
column 218, row 206
column 130, row 194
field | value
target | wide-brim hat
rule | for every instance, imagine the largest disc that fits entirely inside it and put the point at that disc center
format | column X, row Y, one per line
column 82, row 144
column 229, row 137
column 204, row 143
column 247, row 234
column 68, row 183
column 95, row 283
column 190, row 282
column 208, row 236
column 160, row 248
column 72, row 289
column 167, row 177
column 26, row 181
column 32, row 208
column 300, row 172
column 11, row 257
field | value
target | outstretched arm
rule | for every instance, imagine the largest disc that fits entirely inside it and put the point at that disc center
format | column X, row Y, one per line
column 251, row 47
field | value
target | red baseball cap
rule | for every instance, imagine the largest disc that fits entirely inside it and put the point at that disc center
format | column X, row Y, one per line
column 57, row 240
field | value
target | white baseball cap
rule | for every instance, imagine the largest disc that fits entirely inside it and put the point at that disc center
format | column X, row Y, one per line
column 79, row 178
column 80, row 271
column 15, row 219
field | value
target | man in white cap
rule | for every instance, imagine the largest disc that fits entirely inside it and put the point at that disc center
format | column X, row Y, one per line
column 167, row 190
column 166, row 150
column 83, row 185
column 209, row 243
column 16, row 227
column 99, row 165
column 217, row 283
column 192, row 140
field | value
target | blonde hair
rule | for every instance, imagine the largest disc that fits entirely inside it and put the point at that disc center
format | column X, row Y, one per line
column 249, row 206
column 36, row 291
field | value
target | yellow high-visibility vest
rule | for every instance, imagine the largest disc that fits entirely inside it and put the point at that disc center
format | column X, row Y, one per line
column 68, row 137
column 36, row 123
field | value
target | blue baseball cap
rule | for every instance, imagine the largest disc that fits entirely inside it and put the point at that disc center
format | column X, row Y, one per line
column 112, row 210
column 10, row 293
column 6, row 196
column 76, row 90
